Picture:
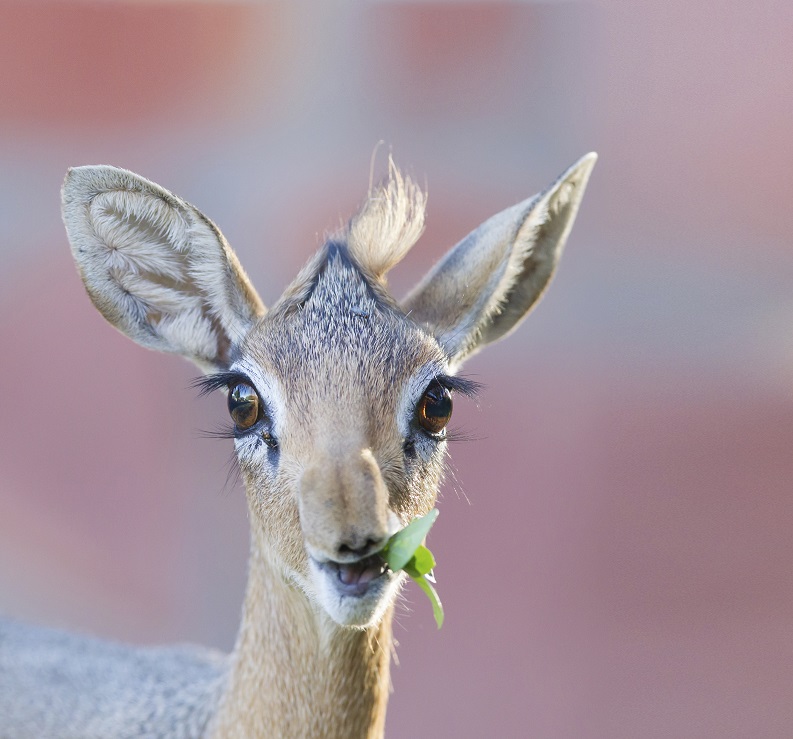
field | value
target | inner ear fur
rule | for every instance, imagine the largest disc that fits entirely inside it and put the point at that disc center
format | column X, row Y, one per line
column 484, row 287
column 157, row 268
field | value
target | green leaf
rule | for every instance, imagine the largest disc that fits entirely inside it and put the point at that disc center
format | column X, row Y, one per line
column 422, row 562
column 405, row 551
column 402, row 546
column 437, row 607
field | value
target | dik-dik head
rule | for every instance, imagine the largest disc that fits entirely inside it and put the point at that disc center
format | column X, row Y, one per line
column 339, row 395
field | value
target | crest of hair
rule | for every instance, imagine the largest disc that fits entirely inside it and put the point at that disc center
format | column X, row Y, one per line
column 389, row 223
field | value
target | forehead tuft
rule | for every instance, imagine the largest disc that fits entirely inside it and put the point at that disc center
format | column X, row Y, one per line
column 389, row 223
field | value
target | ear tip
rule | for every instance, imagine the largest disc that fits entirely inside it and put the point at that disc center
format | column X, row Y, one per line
column 78, row 178
column 73, row 175
column 585, row 164
column 72, row 183
column 576, row 176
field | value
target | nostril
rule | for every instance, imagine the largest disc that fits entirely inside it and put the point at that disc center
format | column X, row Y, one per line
column 369, row 547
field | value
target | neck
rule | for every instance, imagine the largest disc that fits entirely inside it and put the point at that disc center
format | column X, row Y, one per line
column 295, row 673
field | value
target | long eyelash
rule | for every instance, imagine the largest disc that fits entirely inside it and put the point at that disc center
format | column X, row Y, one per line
column 232, row 465
column 233, row 474
column 224, row 431
column 210, row 383
column 461, row 434
column 462, row 385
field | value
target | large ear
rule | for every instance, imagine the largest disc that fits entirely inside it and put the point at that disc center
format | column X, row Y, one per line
column 156, row 267
column 487, row 283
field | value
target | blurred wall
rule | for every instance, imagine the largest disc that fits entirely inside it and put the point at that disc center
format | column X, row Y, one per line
column 615, row 541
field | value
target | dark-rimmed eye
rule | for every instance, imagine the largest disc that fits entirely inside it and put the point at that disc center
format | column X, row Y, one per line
column 244, row 405
column 435, row 408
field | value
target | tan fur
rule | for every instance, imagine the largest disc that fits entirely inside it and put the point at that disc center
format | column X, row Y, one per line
column 336, row 463
column 295, row 673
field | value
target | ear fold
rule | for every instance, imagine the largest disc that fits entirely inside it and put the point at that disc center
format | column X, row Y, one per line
column 156, row 267
column 487, row 284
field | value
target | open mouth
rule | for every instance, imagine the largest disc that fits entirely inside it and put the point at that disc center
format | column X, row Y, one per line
column 356, row 578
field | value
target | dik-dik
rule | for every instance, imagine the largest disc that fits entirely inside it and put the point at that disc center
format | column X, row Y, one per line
column 338, row 397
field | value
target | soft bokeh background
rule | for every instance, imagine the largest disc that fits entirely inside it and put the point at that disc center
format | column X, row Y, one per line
column 617, row 548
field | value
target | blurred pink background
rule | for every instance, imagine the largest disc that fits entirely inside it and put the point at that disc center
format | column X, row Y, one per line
column 616, row 545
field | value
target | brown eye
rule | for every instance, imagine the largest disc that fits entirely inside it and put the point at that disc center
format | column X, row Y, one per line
column 243, row 405
column 435, row 408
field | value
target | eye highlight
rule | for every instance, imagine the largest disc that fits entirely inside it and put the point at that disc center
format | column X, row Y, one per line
column 244, row 405
column 435, row 408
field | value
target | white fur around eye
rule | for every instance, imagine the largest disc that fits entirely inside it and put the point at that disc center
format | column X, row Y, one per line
column 412, row 392
column 269, row 391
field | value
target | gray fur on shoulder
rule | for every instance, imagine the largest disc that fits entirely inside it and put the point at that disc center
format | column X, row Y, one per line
column 58, row 685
